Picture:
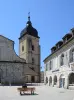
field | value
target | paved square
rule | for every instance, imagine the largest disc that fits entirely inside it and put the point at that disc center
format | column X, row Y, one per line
column 42, row 93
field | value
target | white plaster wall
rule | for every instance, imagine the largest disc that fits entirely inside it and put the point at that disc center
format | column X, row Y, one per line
column 65, row 69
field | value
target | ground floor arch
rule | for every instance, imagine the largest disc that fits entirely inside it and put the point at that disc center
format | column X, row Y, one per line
column 71, row 78
column 46, row 80
column 55, row 80
column 50, row 80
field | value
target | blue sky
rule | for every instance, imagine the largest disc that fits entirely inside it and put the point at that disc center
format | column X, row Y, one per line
column 52, row 18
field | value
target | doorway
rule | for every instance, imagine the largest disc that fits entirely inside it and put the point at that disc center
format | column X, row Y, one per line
column 32, row 78
column 62, row 81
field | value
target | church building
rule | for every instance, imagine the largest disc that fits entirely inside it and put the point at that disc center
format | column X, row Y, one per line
column 29, row 49
column 16, row 69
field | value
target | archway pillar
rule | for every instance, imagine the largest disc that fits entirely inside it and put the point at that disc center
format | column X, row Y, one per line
column 44, row 80
column 53, row 82
column 58, row 83
column 66, row 82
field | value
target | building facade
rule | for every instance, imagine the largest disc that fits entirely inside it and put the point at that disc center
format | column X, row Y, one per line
column 29, row 49
column 59, row 65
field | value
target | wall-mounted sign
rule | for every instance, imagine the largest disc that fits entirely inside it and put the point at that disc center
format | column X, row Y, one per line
column 55, row 70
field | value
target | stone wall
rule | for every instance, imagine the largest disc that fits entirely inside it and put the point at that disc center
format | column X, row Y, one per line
column 12, row 73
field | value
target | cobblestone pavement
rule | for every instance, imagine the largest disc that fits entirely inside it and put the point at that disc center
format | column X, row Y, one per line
column 41, row 93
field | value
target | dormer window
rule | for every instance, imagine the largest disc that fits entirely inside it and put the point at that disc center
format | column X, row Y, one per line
column 72, row 31
column 67, row 37
column 59, row 44
column 53, row 49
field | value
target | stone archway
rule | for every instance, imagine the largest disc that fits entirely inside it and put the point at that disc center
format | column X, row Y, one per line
column 46, row 80
column 55, row 80
column 50, row 80
column 71, row 78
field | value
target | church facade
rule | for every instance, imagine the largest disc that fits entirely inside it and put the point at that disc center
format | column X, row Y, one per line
column 59, row 65
column 16, row 69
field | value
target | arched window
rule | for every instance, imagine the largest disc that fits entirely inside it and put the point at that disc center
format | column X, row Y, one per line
column 22, row 48
column 62, row 60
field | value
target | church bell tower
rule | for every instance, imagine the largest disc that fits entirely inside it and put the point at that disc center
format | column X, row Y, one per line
column 29, row 49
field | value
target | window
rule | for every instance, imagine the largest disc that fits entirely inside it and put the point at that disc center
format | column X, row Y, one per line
column 46, row 67
column 22, row 48
column 50, row 65
column 71, row 55
column 62, row 60
column 32, row 68
column 33, row 47
column 33, row 61
column 29, row 42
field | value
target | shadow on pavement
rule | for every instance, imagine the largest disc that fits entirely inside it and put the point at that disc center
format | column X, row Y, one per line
column 27, row 94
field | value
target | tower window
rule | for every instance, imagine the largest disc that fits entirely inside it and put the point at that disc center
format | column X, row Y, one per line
column 33, row 68
column 33, row 61
column 33, row 47
column 30, row 42
column 22, row 48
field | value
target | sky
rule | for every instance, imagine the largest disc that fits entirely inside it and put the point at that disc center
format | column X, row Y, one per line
column 52, row 19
